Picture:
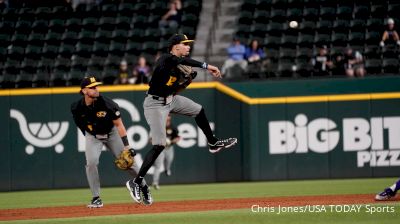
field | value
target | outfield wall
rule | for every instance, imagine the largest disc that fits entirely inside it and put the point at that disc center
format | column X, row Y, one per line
column 301, row 129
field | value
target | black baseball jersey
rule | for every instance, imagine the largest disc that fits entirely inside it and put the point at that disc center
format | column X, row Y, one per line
column 164, row 81
column 96, row 119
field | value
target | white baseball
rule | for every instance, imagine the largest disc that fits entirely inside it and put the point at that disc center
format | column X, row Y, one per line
column 293, row 24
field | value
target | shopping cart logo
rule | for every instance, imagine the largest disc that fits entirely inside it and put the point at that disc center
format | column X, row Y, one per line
column 41, row 135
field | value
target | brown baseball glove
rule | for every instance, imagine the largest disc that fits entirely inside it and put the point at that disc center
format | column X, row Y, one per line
column 125, row 159
column 187, row 76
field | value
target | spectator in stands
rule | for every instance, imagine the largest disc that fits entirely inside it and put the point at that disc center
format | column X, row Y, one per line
column 173, row 17
column 390, row 34
column 236, row 53
column 322, row 62
column 141, row 72
column 3, row 4
column 338, row 65
column 255, row 56
column 123, row 75
column 354, row 63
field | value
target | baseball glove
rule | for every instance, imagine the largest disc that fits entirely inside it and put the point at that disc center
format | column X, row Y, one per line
column 187, row 76
column 125, row 159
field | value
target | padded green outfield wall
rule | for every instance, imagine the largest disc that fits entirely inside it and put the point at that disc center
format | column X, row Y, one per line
column 296, row 129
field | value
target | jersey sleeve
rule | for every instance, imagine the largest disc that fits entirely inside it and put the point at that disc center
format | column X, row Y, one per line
column 113, row 108
column 75, row 114
column 174, row 61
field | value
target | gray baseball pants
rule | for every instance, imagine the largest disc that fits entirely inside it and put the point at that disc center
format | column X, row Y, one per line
column 166, row 158
column 156, row 112
column 92, row 153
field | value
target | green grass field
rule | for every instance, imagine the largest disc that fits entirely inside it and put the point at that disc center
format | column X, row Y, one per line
column 29, row 199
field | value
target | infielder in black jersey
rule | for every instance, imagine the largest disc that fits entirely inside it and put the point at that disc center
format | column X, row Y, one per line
column 99, row 119
column 161, row 99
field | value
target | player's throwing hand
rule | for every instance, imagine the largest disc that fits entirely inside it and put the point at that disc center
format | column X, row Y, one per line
column 214, row 71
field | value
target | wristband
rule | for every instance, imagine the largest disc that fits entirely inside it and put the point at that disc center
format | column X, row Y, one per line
column 204, row 65
column 125, row 140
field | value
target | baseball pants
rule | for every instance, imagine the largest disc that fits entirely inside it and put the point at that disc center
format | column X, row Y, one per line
column 156, row 112
column 92, row 153
column 166, row 158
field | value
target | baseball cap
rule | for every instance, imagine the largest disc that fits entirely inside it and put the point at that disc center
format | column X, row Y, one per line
column 89, row 81
column 178, row 39
column 390, row 21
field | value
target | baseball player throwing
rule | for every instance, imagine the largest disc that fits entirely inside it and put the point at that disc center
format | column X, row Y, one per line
column 99, row 119
column 172, row 73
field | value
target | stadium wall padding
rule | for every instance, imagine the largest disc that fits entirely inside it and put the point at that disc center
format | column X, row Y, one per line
column 351, row 128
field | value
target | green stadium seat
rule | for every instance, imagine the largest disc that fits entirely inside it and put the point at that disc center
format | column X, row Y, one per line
column 7, row 81
column 246, row 17
column 341, row 25
column 373, row 66
column 66, row 50
column 294, row 14
column 117, row 48
column 324, row 27
column 390, row 66
column 305, row 40
column 33, row 51
column 50, row 50
column 126, row 9
column 23, row 80
column 357, row 25
column 108, row 76
column 90, row 23
column 150, row 47
column 120, row 35
column 40, row 79
column 322, row 39
column 100, row 48
column 23, row 26
column 158, row 6
column 109, row 10
column 361, row 11
column 62, row 64
column 74, row 78
column 73, row 24
column 57, row 25
column 58, row 79
column 374, row 24
column 123, row 23
column 310, row 13
column 344, row 12
column 40, row 26
column 107, row 23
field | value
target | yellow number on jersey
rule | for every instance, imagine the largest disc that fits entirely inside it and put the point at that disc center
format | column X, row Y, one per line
column 171, row 81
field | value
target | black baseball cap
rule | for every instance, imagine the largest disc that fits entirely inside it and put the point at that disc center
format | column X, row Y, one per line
column 178, row 39
column 89, row 81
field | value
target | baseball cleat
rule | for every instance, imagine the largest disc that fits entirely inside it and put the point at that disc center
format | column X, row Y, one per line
column 147, row 198
column 222, row 144
column 134, row 190
column 387, row 194
column 95, row 203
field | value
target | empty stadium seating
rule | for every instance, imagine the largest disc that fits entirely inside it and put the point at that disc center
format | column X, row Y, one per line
column 337, row 24
column 56, row 45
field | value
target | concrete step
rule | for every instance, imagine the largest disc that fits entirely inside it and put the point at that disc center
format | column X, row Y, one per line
column 224, row 35
column 227, row 21
column 217, row 60
column 200, row 48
